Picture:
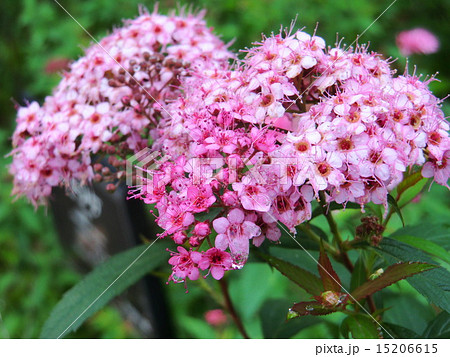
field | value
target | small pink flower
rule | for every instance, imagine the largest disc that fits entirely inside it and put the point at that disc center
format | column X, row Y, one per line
column 440, row 170
column 417, row 40
column 253, row 196
column 201, row 197
column 174, row 219
column 217, row 261
column 234, row 232
column 216, row 317
column 184, row 265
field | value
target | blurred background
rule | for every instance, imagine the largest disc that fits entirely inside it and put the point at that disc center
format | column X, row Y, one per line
column 37, row 39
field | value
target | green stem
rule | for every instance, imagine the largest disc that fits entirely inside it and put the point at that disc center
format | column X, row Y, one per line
column 211, row 292
column 343, row 256
column 230, row 307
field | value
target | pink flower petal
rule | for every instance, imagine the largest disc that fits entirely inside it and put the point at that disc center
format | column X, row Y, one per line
column 235, row 216
column 221, row 224
column 217, row 272
column 222, row 241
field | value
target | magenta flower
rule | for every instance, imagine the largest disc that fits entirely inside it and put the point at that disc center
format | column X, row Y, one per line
column 200, row 198
column 184, row 265
column 417, row 40
column 175, row 218
column 217, row 261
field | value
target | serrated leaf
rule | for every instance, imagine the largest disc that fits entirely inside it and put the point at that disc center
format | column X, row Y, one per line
column 439, row 327
column 393, row 203
column 330, row 279
column 360, row 326
column 303, row 278
column 438, row 233
column 433, row 284
column 314, row 308
column 100, row 286
column 427, row 246
column 392, row 274
column 335, row 206
column 359, row 274
column 397, row 331
column 273, row 320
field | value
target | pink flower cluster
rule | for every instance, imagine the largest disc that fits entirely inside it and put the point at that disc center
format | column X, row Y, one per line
column 109, row 101
column 245, row 146
column 253, row 145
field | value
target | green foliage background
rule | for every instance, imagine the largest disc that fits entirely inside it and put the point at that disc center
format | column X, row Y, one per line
column 34, row 271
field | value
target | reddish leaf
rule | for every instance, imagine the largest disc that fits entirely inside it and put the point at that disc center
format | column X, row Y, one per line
column 330, row 279
column 312, row 308
column 392, row 274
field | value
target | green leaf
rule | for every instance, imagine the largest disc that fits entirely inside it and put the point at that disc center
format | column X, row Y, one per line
column 303, row 278
column 393, row 203
column 360, row 326
column 400, row 300
column 397, row 331
column 408, row 182
column 330, row 279
column 334, row 206
column 209, row 215
column 359, row 274
column 392, row 274
column 433, row 284
column 101, row 285
column 286, row 240
column 274, row 323
column 426, row 246
column 439, row 327
column 438, row 233
column 410, row 188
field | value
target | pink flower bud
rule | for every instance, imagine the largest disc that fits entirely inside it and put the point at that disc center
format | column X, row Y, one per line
column 215, row 317
column 202, row 229
column 230, row 198
column 180, row 237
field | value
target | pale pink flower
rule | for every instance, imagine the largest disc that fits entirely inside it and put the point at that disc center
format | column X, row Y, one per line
column 252, row 196
column 417, row 40
column 234, row 233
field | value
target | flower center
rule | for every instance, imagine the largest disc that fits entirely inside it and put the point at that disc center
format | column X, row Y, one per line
column 324, row 169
